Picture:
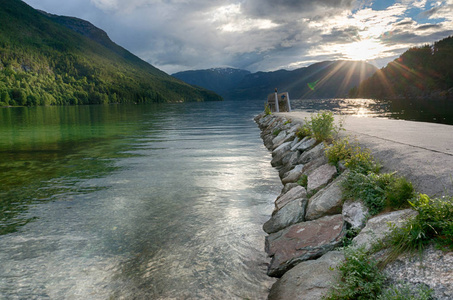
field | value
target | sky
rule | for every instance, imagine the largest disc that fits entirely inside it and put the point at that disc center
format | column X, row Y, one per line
column 262, row 35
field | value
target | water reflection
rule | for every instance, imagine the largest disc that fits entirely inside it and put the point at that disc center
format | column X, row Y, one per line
column 435, row 111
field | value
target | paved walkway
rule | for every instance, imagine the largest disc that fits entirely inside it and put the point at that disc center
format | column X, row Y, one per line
column 422, row 152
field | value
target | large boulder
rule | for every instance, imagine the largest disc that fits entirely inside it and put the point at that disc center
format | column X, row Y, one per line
column 293, row 175
column 376, row 228
column 279, row 153
column 294, row 193
column 303, row 241
column 279, row 138
column 355, row 213
column 311, row 154
column 314, row 164
column 308, row 280
column 328, row 201
column 291, row 213
column 433, row 268
column 306, row 144
column 288, row 187
column 321, row 177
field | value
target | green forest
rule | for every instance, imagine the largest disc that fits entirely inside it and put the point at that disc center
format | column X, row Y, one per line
column 45, row 63
column 420, row 72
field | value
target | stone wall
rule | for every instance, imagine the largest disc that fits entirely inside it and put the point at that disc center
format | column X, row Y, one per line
column 309, row 223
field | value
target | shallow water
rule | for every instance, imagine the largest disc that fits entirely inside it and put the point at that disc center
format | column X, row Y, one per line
column 144, row 201
column 127, row 202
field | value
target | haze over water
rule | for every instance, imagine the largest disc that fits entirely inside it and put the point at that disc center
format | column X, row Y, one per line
column 140, row 201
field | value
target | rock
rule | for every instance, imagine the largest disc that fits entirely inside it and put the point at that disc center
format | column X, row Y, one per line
column 290, row 158
column 295, row 142
column 295, row 146
column 328, row 201
column 290, row 214
column 320, row 177
column 355, row 213
column 308, row 280
column 279, row 153
column 290, row 136
column 311, row 154
column 293, row 175
column 288, row 187
column 303, row 241
column 294, row 193
column 376, row 228
column 314, row 164
column 295, row 128
column 303, row 146
column 281, row 149
column 279, row 138
column 433, row 268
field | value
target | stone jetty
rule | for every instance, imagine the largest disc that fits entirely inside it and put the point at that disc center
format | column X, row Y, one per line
column 311, row 218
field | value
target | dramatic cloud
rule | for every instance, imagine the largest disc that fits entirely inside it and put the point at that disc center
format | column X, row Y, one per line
column 176, row 35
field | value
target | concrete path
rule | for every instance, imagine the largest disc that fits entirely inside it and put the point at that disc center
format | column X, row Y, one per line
column 421, row 152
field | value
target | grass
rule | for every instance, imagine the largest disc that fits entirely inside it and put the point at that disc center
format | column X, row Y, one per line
column 267, row 109
column 303, row 180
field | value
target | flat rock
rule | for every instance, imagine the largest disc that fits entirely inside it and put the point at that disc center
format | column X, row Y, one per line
column 295, row 142
column 290, row 214
column 279, row 153
column 314, row 164
column 355, row 213
column 294, row 193
column 303, row 241
column 308, row 280
column 376, row 228
column 328, row 201
column 293, row 175
column 320, row 177
column 288, row 187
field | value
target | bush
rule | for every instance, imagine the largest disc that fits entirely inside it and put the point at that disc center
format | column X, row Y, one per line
column 378, row 191
column 267, row 109
column 354, row 157
column 360, row 278
column 404, row 292
column 276, row 132
column 320, row 127
column 434, row 222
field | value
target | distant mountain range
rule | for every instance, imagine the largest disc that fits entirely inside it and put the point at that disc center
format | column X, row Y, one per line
column 54, row 60
column 421, row 72
column 328, row 79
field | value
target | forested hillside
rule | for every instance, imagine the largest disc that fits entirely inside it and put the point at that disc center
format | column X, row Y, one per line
column 45, row 63
column 421, row 72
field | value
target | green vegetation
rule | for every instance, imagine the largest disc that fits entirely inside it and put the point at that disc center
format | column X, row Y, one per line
column 303, row 180
column 267, row 109
column 45, row 63
column 425, row 71
column 434, row 222
column 320, row 126
column 288, row 122
column 360, row 277
column 276, row 132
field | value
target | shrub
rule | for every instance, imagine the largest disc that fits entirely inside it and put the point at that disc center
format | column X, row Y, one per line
column 360, row 278
column 434, row 222
column 276, row 132
column 354, row 157
column 303, row 180
column 288, row 122
column 378, row 191
column 320, row 127
column 267, row 109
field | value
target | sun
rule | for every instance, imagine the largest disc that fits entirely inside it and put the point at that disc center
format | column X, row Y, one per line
column 365, row 49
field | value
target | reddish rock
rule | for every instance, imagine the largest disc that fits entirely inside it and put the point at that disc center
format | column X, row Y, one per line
column 303, row 241
column 321, row 177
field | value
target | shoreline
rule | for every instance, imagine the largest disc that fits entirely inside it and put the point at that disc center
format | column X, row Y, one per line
column 309, row 223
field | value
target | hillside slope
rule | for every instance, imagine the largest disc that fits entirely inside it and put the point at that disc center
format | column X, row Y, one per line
column 43, row 62
column 420, row 72
column 328, row 79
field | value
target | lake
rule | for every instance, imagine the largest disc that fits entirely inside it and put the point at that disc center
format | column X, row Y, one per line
column 142, row 201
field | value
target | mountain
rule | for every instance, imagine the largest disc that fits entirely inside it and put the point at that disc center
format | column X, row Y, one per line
column 329, row 79
column 420, row 72
column 54, row 60
column 220, row 80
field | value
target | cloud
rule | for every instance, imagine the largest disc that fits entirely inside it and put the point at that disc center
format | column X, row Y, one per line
column 176, row 35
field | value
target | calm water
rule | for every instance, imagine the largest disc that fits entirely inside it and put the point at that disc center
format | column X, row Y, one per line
column 143, row 202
